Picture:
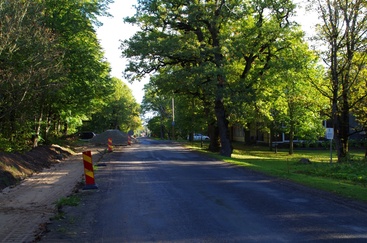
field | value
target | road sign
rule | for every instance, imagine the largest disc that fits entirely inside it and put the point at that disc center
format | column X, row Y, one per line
column 329, row 133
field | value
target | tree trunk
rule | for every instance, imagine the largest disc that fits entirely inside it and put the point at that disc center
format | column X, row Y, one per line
column 162, row 128
column 340, row 109
column 247, row 137
column 191, row 136
column 66, row 129
column 213, row 133
column 48, row 127
column 291, row 135
column 226, row 147
column 341, row 134
column 271, row 138
column 344, row 123
column 291, row 142
column 37, row 129
column 222, row 122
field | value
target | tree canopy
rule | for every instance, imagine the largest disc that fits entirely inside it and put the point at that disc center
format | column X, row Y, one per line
column 223, row 54
column 342, row 45
column 53, row 74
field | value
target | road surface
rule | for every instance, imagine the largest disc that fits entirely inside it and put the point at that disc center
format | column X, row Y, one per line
column 158, row 191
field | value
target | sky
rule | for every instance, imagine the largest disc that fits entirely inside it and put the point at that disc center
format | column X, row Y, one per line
column 114, row 30
column 110, row 34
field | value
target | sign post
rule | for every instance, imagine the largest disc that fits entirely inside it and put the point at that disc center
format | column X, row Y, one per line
column 109, row 145
column 330, row 135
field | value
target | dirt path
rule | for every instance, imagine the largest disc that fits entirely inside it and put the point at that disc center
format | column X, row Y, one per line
column 26, row 208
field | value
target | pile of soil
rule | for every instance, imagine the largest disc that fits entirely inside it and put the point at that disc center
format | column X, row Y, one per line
column 15, row 167
column 117, row 137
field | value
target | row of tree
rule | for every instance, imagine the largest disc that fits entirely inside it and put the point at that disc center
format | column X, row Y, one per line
column 229, row 62
column 53, row 75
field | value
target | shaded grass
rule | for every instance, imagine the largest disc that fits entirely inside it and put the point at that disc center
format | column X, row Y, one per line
column 72, row 200
column 348, row 179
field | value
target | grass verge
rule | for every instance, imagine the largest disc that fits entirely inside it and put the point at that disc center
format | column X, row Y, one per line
column 348, row 179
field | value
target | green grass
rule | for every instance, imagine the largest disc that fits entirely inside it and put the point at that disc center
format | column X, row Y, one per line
column 72, row 200
column 348, row 179
column 68, row 201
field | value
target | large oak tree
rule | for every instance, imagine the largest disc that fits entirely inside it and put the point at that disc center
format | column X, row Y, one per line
column 190, row 38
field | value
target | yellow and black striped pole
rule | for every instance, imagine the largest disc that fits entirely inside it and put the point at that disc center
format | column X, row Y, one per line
column 88, row 171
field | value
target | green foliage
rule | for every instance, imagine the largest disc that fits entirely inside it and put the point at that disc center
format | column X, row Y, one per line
column 119, row 110
column 282, row 99
column 190, row 113
column 341, row 42
column 52, row 70
column 29, row 61
column 156, row 127
column 159, row 103
column 5, row 145
column 235, row 63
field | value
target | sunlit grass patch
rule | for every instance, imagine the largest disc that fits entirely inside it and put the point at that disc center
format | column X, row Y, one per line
column 249, row 156
column 348, row 179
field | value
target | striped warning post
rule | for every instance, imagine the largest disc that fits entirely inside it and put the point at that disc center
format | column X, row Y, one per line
column 88, row 171
column 109, row 144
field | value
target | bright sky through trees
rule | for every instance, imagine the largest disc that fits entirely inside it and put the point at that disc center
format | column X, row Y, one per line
column 110, row 33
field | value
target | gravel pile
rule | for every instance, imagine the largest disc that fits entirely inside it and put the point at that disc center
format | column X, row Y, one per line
column 118, row 138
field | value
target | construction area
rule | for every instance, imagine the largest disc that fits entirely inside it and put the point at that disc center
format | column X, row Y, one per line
column 32, row 183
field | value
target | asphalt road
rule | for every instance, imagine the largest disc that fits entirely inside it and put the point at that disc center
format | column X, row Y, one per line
column 157, row 191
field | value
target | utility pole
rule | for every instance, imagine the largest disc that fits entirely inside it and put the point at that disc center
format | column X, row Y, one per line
column 173, row 118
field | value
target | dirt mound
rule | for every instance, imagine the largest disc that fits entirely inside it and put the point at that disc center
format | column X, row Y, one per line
column 118, row 138
column 15, row 167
